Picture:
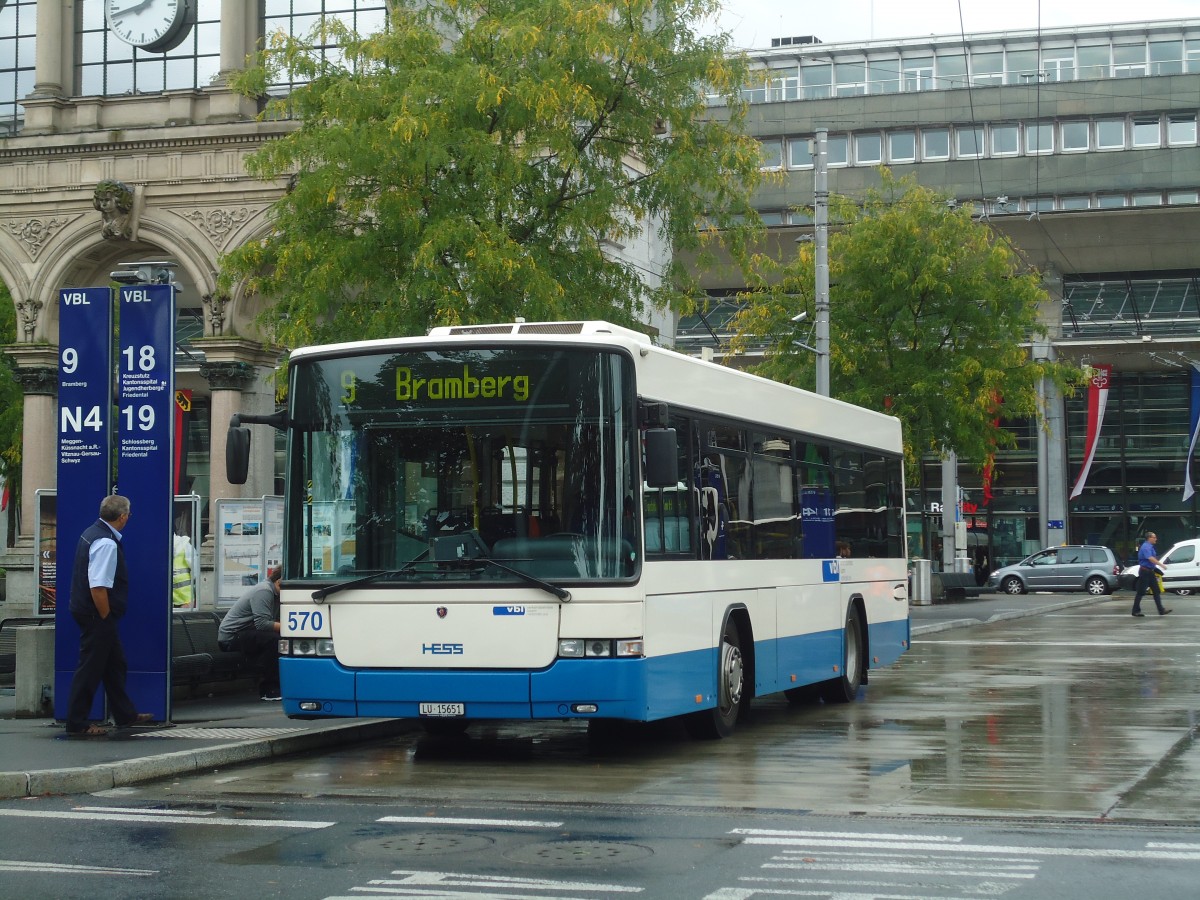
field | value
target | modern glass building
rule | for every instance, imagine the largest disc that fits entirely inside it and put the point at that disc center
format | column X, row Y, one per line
column 1081, row 147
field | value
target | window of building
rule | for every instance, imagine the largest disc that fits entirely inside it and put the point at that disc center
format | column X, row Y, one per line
column 1067, row 203
column 935, row 143
column 1147, row 198
column 951, row 69
column 1129, row 60
column 1006, row 140
column 108, row 67
column 799, row 217
column 783, row 88
column 868, row 149
column 771, row 150
column 1073, row 136
column 816, row 81
column 1191, row 55
column 1181, row 130
column 851, row 78
column 987, row 68
column 1110, row 134
column 1177, row 198
column 883, row 76
column 755, row 92
column 902, row 146
column 1040, row 204
column 1094, row 61
column 1058, row 65
column 1039, row 137
column 1146, row 131
column 1110, row 201
column 1166, row 57
column 1022, row 67
column 969, row 142
column 771, row 217
column 837, row 150
column 800, row 153
column 918, row 73
column 18, row 26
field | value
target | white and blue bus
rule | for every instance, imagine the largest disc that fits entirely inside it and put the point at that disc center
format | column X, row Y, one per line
column 564, row 521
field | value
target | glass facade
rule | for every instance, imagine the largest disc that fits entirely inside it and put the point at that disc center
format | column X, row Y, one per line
column 18, row 26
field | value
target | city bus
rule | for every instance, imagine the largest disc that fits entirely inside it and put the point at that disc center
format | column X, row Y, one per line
column 565, row 521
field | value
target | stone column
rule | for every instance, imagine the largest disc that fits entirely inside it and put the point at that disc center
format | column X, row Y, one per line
column 37, row 373
column 48, row 57
column 240, row 374
column 240, row 26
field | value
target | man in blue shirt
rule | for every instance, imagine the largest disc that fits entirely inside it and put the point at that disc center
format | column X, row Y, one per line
column 99, row 597
column 1147, row 576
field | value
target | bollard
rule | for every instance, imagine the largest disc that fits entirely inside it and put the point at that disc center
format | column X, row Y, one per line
column 34, row 677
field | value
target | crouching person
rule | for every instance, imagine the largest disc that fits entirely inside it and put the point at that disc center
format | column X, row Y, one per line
column 252, row 627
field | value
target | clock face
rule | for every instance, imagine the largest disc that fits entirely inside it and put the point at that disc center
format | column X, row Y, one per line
column 154, row 25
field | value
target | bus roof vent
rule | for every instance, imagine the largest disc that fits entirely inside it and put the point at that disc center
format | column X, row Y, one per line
column 475, row 329
column 551, row 328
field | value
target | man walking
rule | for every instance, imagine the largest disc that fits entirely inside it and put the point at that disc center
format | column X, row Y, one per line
column 1147, row 576
column 99, row 597
column 252, row 626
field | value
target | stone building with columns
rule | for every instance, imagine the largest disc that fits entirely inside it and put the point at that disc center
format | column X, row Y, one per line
column 120, row 142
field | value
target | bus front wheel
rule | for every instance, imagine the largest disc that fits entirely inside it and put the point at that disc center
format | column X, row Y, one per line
column 731, row 672
column 844, row 688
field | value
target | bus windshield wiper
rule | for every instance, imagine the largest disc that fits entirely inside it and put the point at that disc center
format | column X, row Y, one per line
column 561, row 593
column 320, row 594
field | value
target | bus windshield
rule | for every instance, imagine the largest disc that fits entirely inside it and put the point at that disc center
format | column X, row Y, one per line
column 427, row 465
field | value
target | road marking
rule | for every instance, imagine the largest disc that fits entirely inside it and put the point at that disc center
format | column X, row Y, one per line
column 445, row 882
column 45, row 868
column 145, row 812
column 146, row 816
column 216, row 734
column 784, row 839
column 485, row 823
column 851, row 835
column 1146, row 643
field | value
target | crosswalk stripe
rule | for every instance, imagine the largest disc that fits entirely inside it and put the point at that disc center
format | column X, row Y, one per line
column 486, row 823
column 48, row 868
column 142, row 817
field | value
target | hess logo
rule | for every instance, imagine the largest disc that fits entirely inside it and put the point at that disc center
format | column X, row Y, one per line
column 442, row 649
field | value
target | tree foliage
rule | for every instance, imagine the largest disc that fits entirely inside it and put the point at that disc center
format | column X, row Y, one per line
column 931, row 319
column 476, row 159
column 12, row 400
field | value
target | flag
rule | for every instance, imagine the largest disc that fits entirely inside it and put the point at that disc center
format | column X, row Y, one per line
column 1188, row 490
column 1097, row 401
column 3, row 494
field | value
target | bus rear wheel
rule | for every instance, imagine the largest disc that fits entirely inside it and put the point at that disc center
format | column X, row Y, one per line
column 719, row 721
column 844, row 688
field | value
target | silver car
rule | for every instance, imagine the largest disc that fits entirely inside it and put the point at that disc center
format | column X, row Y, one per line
column 1072, row 567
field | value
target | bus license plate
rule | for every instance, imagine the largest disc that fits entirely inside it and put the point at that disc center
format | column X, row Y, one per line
column 443, row 710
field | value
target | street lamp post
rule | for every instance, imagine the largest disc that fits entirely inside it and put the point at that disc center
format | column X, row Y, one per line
column 821, row 233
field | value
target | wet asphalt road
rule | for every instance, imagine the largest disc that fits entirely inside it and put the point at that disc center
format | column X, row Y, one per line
column 1083, row 712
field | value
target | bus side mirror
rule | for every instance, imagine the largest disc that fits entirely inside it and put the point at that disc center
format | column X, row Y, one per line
column 237, row 454
column 662, row 457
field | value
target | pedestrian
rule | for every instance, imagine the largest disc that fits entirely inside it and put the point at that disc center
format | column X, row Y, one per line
column 252, row 627
column 1148, row 567
column 99, row 598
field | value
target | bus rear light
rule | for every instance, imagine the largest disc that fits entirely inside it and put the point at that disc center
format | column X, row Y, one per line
column 584, row 708
column 632, row 647
column 306, row 647
column 599, row 648
column 309, row 706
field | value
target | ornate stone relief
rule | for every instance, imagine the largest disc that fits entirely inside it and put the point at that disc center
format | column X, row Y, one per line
column 227, row 376
column 37, row 380
column 34, row 233
column 29, row 310
column 115, row 199
column 216, row 304
column 219, row 222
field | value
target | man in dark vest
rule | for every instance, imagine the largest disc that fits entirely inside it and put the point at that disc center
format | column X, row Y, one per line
column 99, row 597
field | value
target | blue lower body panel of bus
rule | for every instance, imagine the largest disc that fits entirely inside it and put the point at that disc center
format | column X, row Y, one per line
column 888, row 641
column 617, row 688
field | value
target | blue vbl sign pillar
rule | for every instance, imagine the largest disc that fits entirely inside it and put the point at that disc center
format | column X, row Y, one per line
column 145, row 428
column 84, row 457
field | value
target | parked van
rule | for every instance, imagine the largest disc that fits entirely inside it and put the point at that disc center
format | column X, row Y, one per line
column 1180, row 566
column 1066, row 568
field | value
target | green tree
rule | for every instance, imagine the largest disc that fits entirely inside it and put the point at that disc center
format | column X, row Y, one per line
column 483, row 177
column 12, row 405
column 931, row 318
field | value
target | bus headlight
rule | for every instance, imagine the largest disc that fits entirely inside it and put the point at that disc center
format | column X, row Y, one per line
column 306, row 647
column 600, row 648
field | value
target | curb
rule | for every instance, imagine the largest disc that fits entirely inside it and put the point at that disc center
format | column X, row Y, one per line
column 15, row 785
column 935, row 627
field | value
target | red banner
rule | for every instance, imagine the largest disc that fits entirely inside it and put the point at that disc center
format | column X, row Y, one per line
column 1097, row 401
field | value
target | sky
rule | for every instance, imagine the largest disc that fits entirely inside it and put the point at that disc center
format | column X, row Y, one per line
column 754, row 22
